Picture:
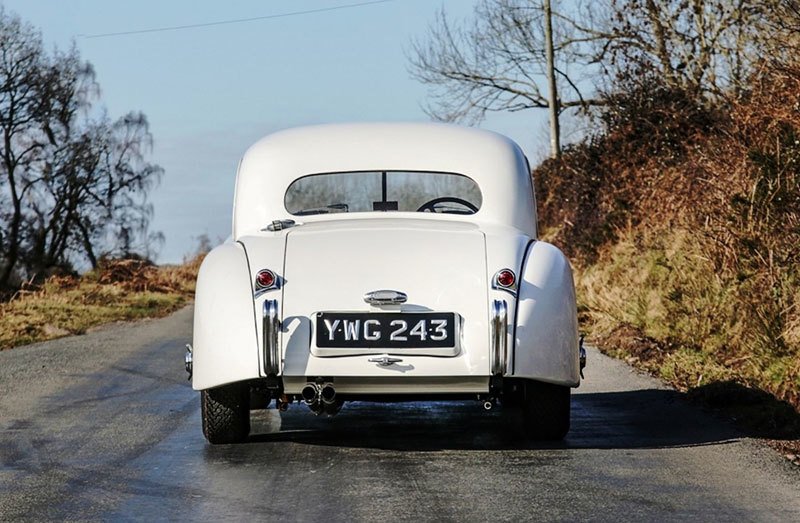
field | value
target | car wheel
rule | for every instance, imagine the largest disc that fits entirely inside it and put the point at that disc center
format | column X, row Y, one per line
column 226, row 413
column 546, row 411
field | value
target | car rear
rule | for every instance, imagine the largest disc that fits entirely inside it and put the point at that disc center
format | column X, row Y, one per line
column 385, row 306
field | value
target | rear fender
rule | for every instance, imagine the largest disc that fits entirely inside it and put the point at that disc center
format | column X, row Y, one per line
column 225, row 345
column 546, row 344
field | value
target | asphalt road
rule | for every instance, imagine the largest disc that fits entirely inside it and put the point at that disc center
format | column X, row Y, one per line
column 105, row 427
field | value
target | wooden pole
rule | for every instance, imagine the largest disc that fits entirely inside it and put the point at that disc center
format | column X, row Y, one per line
column 555, row 131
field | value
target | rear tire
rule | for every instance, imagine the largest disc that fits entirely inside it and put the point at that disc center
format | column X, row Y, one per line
column 513, row 396
column 546, row 411
column 226, row 413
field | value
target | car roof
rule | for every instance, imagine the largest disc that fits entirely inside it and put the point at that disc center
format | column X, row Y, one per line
column 493, row 161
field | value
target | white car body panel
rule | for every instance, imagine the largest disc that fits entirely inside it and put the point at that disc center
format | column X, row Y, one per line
column 495, row 162
column 328, row 262
column 267, row 249
column 547, row 322
column 225, row 340
column 331, row 267
column 506, row 247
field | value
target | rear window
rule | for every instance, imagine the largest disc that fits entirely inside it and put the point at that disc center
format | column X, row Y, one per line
column 383, row 191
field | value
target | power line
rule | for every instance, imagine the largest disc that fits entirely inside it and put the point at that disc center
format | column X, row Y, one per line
column 235, row 21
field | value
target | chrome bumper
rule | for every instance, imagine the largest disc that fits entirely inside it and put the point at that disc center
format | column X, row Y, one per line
column 188, row 360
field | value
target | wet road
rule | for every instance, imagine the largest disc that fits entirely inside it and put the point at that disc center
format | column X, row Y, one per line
column 105, row 427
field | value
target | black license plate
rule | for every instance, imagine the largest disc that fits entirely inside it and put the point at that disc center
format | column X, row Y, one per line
column 386, row 330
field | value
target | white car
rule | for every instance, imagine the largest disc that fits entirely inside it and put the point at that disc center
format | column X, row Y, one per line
column 381, row 262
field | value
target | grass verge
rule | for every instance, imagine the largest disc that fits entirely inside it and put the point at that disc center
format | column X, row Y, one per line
column 117, row 290
column 655, row 300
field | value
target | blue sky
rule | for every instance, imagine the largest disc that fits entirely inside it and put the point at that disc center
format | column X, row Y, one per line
column 210, row 92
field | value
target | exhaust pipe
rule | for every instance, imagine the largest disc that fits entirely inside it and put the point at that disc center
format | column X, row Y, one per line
column 330, row 404
column 310, row 394
column 328, row 394
column 321, row 398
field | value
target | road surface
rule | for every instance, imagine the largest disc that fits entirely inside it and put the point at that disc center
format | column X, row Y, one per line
column 105, row 427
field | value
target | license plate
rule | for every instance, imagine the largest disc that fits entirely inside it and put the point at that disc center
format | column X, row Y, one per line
column 386, row 330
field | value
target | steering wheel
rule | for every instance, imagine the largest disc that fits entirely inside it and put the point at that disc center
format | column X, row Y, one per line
column 430, row 206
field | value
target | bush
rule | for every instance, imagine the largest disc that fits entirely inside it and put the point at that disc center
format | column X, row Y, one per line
column 683, row 218
column 625, row 171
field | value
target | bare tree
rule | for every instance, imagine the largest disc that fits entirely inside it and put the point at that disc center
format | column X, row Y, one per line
column 705, row 47
column 20, row 111
column 76, row 182
column 499, row 61
column 785, row 28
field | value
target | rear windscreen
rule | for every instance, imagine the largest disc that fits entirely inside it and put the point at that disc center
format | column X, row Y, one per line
column 383, row 191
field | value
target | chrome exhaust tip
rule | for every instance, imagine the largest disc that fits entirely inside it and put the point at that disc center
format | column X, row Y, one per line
column 310, row 394
column 488, row 405
column 328, row 394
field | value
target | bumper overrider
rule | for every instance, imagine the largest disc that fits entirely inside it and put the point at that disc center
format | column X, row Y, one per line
column 271, row 329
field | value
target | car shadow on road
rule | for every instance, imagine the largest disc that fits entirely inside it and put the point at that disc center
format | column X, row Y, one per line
column 649, row 418
column 756, row 411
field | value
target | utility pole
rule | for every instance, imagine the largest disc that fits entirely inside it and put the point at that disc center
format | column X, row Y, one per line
column 555, row 131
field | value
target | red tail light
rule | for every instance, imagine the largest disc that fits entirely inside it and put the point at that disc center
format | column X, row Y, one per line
column 505, row 278
column 265, row 279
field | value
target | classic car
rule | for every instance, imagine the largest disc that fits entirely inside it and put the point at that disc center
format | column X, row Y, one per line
column 384, row 262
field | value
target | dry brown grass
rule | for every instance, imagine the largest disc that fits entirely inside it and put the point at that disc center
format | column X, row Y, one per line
column 684, row 224
column 117, row 290
column 656, row 300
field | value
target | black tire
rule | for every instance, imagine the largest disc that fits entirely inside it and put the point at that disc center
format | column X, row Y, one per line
column 513, row 396
column 546, row 411
column 226, row 413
